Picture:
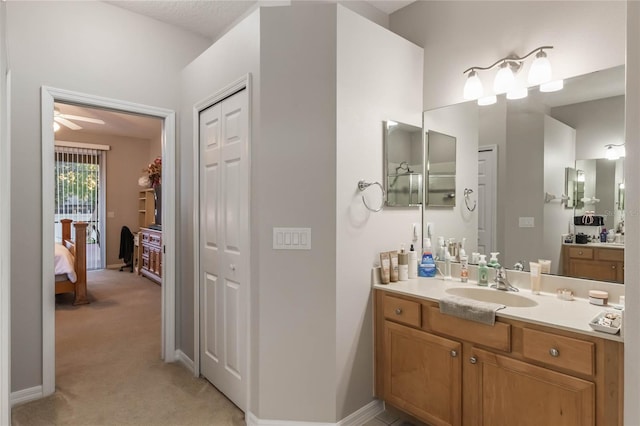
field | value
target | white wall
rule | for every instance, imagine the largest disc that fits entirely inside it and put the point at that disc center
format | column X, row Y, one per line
column 90, row 47
column 379, row 77
column 597, row 123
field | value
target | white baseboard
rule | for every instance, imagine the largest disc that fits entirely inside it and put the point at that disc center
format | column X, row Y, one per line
column 357, row 418
column 363, row 415
column 183, row 359
column 26, row 395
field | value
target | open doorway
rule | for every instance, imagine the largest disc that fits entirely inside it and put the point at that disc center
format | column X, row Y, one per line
column 93, row 114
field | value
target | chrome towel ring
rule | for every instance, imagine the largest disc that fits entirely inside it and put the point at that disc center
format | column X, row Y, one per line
column 362, row 185
column 467, row 194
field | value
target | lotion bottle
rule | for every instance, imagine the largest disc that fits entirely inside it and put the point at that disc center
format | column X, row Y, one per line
column 483, row 271
column 447, row 265
column 464, row 269
column 403, row 265
column 413, row 263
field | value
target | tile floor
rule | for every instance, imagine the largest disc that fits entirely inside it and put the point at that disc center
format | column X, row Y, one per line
column 392, row 417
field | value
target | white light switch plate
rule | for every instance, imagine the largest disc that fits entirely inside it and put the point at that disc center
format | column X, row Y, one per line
column 526, row 222
column 292, row 238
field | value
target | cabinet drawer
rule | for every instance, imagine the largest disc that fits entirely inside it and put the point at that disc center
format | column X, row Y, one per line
column 402, row 311
column 615, row 255
column 560, row 351
column 497, row 336
column 580, row 253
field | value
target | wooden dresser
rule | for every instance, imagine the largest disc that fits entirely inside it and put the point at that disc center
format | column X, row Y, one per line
column 150, row 261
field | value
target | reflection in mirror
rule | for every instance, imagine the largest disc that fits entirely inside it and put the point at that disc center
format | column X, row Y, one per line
column 546, row 143
column 441, row 169
column 571, row 186
column 403, row 164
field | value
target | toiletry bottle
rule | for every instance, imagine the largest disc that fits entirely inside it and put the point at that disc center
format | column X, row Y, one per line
column 464, row 269
column 447, row 265
column 483, row 271
column 427, row 266
column 441, row 248
column 462, row 253
column 393, row 257
column 493, row 261
column 534, row 274
column 413, row 263
column 403, row 265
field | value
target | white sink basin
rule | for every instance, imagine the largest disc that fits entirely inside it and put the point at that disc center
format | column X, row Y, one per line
column 510, row 299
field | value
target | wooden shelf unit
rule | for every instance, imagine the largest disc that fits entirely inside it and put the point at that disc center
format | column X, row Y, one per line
column 146, row 207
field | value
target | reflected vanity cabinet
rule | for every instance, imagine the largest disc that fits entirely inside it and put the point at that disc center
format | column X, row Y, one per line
column 448, row 371
column 150, row 261
column 593, row 262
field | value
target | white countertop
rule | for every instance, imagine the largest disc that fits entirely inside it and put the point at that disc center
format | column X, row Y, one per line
column 550, row 311
column 603, row 245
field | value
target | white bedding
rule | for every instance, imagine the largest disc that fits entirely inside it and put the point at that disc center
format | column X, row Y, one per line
column 63, row 262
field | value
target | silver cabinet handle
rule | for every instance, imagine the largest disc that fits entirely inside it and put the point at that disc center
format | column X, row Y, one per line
column 554, row 352
column 398, row 311
column 580, row 253
column 473, row 360
column 454, row 354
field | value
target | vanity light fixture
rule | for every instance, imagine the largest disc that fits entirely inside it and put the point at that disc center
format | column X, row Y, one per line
column 518, row 93
column 539, row 73
column 614, row 151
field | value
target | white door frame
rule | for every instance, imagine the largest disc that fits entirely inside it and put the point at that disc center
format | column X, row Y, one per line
column 242, row 83
column 49, row 96
column 5, row 253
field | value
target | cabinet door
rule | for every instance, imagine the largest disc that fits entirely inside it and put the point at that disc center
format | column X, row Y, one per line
column 423, row 374
column 509, row 392
column 596, row 270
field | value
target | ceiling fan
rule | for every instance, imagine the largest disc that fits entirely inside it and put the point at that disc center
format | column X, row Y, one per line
column 65, row 120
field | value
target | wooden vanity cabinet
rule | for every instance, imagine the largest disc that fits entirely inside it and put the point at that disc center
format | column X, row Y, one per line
column 448, row 371
column 596, row 263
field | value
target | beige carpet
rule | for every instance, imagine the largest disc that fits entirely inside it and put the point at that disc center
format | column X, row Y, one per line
column 108, row 367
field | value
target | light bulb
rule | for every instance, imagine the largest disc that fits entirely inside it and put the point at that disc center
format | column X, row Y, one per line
column 504, row 79
column 518, row 93
column 611, row 153
column 487, row 100
column 552, row 86
column 540, row 71
column 473, row 86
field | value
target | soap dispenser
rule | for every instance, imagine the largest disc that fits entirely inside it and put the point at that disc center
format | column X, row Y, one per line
column 494, row 259
column 483, row 271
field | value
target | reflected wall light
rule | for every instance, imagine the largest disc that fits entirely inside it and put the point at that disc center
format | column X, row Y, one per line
column 505, row 81
column 613, row 151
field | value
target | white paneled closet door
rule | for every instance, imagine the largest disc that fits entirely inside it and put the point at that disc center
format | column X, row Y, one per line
column 224, row 243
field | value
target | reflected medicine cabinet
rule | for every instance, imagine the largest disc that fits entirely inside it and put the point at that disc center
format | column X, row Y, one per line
column 403, row 164
column 441, row 169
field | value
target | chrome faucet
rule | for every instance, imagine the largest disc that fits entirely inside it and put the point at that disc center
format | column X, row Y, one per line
column 502, row 282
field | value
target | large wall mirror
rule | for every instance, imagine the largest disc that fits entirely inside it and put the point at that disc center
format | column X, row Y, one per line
column 403, row 164
column 535, row 164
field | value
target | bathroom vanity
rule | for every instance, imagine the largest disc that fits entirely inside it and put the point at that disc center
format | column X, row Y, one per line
column 540, row 364
column 596, row 261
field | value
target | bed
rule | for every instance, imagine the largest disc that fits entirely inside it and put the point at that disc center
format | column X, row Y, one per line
column 72, row 278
